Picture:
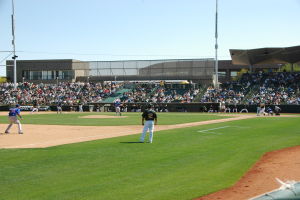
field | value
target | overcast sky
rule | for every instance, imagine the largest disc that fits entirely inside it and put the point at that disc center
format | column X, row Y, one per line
column 144, row 29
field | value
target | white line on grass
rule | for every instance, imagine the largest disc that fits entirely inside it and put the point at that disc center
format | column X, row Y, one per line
column 240, row 126
column 222, row 127
column 204, row 131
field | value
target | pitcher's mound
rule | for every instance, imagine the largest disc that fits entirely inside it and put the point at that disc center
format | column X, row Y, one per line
column 101, row 116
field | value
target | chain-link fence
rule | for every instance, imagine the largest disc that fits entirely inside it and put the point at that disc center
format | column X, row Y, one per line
column 154, row 69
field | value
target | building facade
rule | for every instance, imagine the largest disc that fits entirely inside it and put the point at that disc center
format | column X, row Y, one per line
column 46, row 71
column 68, row 70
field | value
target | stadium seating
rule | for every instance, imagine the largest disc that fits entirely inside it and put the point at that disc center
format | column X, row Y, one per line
column 270, row 88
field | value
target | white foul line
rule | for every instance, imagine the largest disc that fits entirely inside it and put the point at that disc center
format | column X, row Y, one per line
column 203, row 131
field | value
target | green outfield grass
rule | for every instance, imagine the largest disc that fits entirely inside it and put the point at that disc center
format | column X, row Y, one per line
column 180, row 164
column 130, row 119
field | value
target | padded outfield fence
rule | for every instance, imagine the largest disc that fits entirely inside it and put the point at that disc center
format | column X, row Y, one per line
column 160, row 107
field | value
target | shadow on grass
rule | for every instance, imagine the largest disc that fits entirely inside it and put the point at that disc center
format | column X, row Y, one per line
column 131, row 142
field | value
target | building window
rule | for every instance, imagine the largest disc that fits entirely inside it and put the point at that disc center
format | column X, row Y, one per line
column 35, row 75
column 48, row 75
column 25, row 74
column 233, row 74
column 65, row 75
column 222, row 74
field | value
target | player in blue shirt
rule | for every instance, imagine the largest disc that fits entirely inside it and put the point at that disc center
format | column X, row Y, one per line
column 269, row 111
column 13, row 115
column 117, row 105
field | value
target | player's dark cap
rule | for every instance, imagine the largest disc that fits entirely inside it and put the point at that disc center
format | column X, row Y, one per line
column 17, row 105
column 150, row 106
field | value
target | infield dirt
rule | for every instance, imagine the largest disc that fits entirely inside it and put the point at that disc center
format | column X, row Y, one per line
column 40, row 136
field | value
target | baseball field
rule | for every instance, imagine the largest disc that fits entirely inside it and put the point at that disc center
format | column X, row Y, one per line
column 97, row 155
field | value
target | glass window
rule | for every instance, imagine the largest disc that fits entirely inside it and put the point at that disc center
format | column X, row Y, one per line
column 67, row 75
column 44, row 75
column 60, row 75
column 50, row 75
column 35, row 75
column 25, row 74
column 222, row 74
column 233, row 74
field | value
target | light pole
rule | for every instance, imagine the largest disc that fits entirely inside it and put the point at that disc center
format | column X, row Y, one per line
column 88, row 89
column 55, row 90
column 13, row 43
column 216, row 85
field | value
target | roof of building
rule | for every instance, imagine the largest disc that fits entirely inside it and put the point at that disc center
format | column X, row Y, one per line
column 265, row 55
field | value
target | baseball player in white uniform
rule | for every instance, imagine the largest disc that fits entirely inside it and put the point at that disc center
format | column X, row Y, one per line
column 80, row 107
column 35, row 108
column 59, row 108
column 150, row 117
column 262, row 109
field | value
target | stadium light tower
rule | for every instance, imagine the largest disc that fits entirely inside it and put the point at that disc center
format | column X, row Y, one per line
column 13, row 43
column 216, row 85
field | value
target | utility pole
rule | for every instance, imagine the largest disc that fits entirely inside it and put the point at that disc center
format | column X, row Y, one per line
column 216, row 85
column 13, row 43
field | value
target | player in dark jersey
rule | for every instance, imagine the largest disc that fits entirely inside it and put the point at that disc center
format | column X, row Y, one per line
column 59, row 107
column 13, row 115
column 149, row 119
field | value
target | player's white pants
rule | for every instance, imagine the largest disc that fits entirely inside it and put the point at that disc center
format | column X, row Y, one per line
column 35, row 110
column 59, row 109
column 262, row 111
column 227, row 109
column 14, row 120
column 148, row 125
column 118, row 110
column 257, row 111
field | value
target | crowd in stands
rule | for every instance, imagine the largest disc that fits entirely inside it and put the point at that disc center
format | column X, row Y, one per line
column 251, row 88
column 85, row 93
column 49, row 94
column 159, row 94
column 270, row 88
column 277, row 88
